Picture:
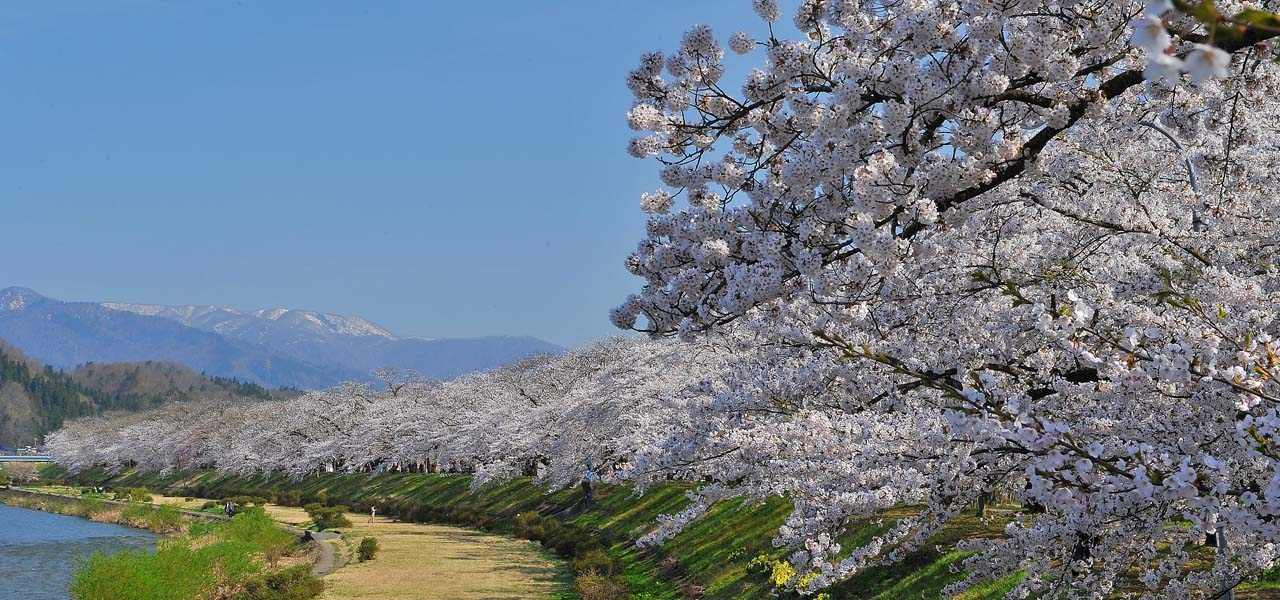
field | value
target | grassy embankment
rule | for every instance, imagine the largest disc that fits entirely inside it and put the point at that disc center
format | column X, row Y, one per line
column 719, row 557
column 247, row 558
column 101, row 508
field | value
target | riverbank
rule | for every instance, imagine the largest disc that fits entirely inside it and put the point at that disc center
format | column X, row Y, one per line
column 414, row 561
column 247, row 557
column 156, row 519
column 40, row 551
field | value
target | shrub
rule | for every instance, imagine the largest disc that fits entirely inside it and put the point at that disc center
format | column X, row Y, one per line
column 595, row 586
column 692, row 591
column 571, row 541
column 161, row 519
column 198, row 528
column 175, row 571
column 246, row 500
column 368, row 549
column 133, row 495
column 672, row 568
column 595, row 561
column 91, row 506
column 528, row 526
column 289, row 498
column 254, row 527
column 164, row 519
column 294, row 583
column 327, row 517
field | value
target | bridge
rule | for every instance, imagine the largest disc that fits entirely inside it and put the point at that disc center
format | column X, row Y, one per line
column 24, row 458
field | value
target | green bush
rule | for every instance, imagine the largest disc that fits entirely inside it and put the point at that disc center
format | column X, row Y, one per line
column 528, row 525
column 199, row 528
column 595, row 561
column 254, row 527
column 294, row 583
column 327, row 517
column 161, row 519
column 175, row 571
column 164, row 519
column 368, row 549
column 91, row 506
column 595, row 586
column 133, row 495
column 289, row 498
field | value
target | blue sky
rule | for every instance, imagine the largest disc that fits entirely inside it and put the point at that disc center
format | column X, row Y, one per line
column 442, row 168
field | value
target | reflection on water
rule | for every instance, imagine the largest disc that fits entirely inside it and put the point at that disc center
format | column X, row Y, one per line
column 40, row 551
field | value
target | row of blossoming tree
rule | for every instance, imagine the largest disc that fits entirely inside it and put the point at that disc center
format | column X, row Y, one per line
column 931, row 250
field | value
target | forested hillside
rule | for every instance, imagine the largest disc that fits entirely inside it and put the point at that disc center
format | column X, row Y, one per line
column 135, row 386
column 36, row 399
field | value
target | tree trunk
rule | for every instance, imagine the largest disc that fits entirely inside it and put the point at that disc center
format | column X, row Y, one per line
column 1220, row 542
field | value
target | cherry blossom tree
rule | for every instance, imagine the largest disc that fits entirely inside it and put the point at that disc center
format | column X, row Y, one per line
column 981, row 244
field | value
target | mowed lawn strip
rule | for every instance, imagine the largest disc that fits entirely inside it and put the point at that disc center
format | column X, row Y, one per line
column 442, row 562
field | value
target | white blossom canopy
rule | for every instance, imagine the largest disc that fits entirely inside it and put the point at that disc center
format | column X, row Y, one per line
column 979, row 249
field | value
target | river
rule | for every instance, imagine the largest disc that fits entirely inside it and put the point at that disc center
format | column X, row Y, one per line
column 40, row 551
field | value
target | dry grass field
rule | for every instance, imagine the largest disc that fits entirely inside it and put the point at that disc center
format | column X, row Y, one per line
column 439, row 562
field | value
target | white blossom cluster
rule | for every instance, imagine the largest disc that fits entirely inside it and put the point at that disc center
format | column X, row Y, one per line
column 1203, row 62
column 1025, row 246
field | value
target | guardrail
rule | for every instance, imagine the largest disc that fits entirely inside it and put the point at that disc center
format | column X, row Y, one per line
column 25, row 458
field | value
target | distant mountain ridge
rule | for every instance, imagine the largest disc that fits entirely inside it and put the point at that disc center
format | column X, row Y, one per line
column 67, row 334
column 276, row 347
column 222, row 319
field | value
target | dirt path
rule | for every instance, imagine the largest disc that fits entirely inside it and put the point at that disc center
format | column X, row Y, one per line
column 428, row 562
column 328, row 559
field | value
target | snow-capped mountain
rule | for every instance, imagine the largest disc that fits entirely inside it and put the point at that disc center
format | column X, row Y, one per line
column 231, row 321
column 67, row 334
column 275, row 347
column 18, row 298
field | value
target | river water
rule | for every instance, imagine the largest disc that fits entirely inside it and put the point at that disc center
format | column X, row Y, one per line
column 40, row 551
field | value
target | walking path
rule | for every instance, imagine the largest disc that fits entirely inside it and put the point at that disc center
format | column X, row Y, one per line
column 328, row 560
